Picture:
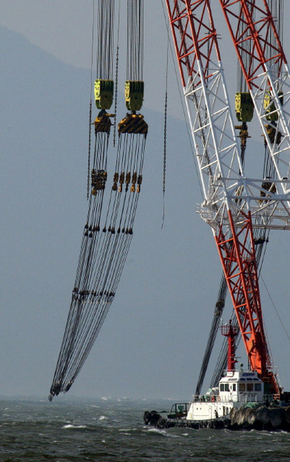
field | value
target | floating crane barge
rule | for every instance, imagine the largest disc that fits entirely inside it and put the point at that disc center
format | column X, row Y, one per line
column 239, row 402
column 241, row 206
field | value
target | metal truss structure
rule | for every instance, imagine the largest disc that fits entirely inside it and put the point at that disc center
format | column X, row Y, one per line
column 234, row 204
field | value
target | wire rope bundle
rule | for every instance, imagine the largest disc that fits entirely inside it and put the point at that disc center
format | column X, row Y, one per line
column 105, row 246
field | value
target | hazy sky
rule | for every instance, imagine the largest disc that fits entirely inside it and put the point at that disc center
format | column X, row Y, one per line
column 63, row 28
column 153, row 339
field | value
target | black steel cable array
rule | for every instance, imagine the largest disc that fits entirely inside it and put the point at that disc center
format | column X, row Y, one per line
column 135, row 39
column 107, row 234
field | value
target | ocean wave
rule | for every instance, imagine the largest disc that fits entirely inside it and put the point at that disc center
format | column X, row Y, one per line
column 74, row 426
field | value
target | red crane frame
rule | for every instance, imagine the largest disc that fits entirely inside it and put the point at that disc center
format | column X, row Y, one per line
column 237, row 254
column 258, row 32
column 195, row 40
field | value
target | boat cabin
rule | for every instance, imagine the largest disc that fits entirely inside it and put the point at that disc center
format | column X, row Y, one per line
column 242, row 387
column 235, row 389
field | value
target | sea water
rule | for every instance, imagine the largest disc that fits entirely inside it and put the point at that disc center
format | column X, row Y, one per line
column 110, row 430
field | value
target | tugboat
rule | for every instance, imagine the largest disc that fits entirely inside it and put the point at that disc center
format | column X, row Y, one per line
column 241, row 400
column 236, row 389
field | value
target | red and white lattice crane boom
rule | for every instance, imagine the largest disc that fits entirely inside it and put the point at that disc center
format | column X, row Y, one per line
column 266, row 73
column 234, row 203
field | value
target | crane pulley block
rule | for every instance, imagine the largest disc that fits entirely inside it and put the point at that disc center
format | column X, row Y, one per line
column 244, row 107
column 269, row 186
column 134, row 94
column 102, row 122
column 270, row 107
column 104, row 93
column 133, row 123
column 275, row 136
column 98, row 180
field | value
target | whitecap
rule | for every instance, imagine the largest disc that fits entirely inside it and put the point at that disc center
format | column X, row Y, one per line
column 74, row 426
column 157, row 430
column 163, row 432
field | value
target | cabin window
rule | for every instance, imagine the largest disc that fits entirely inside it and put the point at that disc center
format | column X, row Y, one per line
column 227, row 388
column 250, row 386
column 222, row 387
column 234, row 387
column 258, row 386
column 242, row 387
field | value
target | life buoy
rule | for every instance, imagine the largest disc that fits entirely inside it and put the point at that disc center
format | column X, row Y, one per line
column 218, row 398
column 213, row 398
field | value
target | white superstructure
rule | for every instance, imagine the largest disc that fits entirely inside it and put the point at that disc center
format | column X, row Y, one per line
column 235, row 389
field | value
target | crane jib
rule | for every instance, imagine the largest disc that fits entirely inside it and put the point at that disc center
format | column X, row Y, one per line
column 235, row 205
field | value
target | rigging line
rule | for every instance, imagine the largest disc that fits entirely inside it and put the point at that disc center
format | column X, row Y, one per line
column 124, row 153
column 130, row 212
column 165, row 135
column 73, row 351
column 86, row 326
column 87, row 316
column 263, row 253
column 89, row 262
column 112, row 199
column 114, row 265
column 116, row 205
column 127, row 238
column 275, row 308
column 89, row 149
column 128, row 50
column 181, row 97
column 92, row 48
column 115, row 261
column 101, row 261
column 121, row 249
column 110, row 258
column 91, row 98
column 81, row 261
column 118, row 260
column 115, row 211
column 66, row 347
column 135, row 32
column 105, row 39
column 116, row 76
column 70, row 341
column 91, row 309
column 88, row 311
column 121, row 140
column 125, row 206
column 86, row 256
column 110, row 218
column 92, row 335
